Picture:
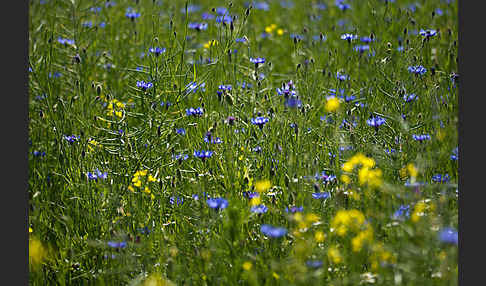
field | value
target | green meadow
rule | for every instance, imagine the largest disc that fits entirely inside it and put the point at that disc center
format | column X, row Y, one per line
column 243, row 142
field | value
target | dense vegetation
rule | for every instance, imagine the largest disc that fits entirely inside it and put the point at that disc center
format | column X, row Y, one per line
column 252, row 143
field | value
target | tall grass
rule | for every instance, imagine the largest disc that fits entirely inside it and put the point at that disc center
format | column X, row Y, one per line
column 112, row 231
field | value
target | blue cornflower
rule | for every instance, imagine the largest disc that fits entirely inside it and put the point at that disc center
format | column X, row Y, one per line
column 348, row 37
column 217, row 203
column 439, row 178
column 341, row 76
column 131, row 14
column 221, row 10
column 65, row 41
column 294, row 209
column 181, row 131
column 346, row 124
column 325, row 177
column 376, row 121
column 259, row 121
column 410, row 97
column 261, row 6
column 288, row 89
column 455, row 154
column 287, row 4
column 390, row 150
column 180, row 157
column 366, row 40
column 259, row 209
column 174, row 200
column 418, row 70
column 88, row 24
column 320, row 6
column 144, row 230
column 293, row 102
column 421, row 138
column 245, row 85
column 216, row 140
column 314, row 263
column 115, row 244
column 402, row 212
column 102, row 24
column 296, row 36
column 203, row 154
column 273, row 231
column 240, row 40
column 449, row 235
column 428, row 33
column 321, row 38
column 194, row 86
column 342, row 6
column 257, row 61
column 157, row 51
column 72, row 138
column 92, row 176
column 362, row 48
column 55, row 75
column 198, row 26
column 144, row 85
column 227, row 19
column 323, row 195
column 251, row 195
column 95, row 10
column 39, row 154
column 109, row 4
column 194, row 111
column 227, row 87
column 191, row 8
column 207, row 16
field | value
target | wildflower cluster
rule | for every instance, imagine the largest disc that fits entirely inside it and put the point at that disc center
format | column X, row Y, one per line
column 366, row 174
column 115, row 108
column 141, row 181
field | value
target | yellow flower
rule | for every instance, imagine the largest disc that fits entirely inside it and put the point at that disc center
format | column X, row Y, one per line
column 332, row 104
column 334, row 255
column 275, row 275
column 92, row 143
column 138, row 183
column 298, row 217
column 263, row 185
column 247, row 265
column 151, row 179
column 146, row 190
column 412, row 170
column 37, row 252
column 280, row 32
column 418, row 211
column 255, row 201
column 347, row 219
column 370, row 177
column 30, row 230
column 362, row 237
column 131, row 188
column 211, row 43
column 345, row 179
column 311, row 218
column 157, row 280
column 319, row 236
